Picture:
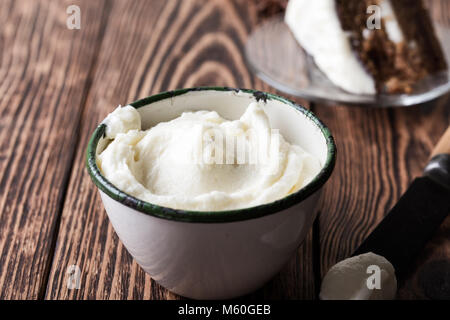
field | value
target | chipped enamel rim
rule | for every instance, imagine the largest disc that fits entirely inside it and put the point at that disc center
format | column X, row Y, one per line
column 212, row 216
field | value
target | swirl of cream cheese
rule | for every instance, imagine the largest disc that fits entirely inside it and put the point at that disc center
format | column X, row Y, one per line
column 201, row 161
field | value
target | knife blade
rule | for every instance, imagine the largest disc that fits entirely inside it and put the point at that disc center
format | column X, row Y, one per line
column 405, row 230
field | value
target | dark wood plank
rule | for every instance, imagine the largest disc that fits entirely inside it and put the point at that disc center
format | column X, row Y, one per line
column 380, row 152
column 152, row 46
column 43, row 70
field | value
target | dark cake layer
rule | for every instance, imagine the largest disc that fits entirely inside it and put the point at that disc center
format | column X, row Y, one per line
column 394, row 66
column 416, row 24
column 269, row 8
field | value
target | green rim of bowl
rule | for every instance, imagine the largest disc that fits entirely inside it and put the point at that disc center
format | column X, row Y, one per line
column 212, row 216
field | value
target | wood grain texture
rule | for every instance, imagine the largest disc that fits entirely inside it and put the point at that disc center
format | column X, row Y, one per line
column 443, row 145
column 57, row 84
column 43, row 69
column 148, row 47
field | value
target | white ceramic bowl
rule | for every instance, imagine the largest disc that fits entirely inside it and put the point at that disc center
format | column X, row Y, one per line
column 223, row 254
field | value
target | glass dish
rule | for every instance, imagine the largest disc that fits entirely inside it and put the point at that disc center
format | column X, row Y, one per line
column 275, row 56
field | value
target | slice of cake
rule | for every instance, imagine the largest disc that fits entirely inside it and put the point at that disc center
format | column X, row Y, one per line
column 368, row 46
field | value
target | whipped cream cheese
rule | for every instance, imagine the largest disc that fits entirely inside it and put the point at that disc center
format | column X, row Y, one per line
column 347, row 280
column 201, row 161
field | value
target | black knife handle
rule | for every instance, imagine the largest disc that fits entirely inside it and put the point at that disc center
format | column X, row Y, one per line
column 403, row 233
column 438, row 169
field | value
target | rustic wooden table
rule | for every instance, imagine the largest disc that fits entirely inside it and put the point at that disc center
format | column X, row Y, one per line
column 56, row 85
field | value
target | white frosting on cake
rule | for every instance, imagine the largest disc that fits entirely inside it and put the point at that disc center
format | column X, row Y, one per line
column 316, row 26
column 393, row 30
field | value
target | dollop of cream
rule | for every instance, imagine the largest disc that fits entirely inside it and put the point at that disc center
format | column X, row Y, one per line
column 348, row 279
column 201, row 161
